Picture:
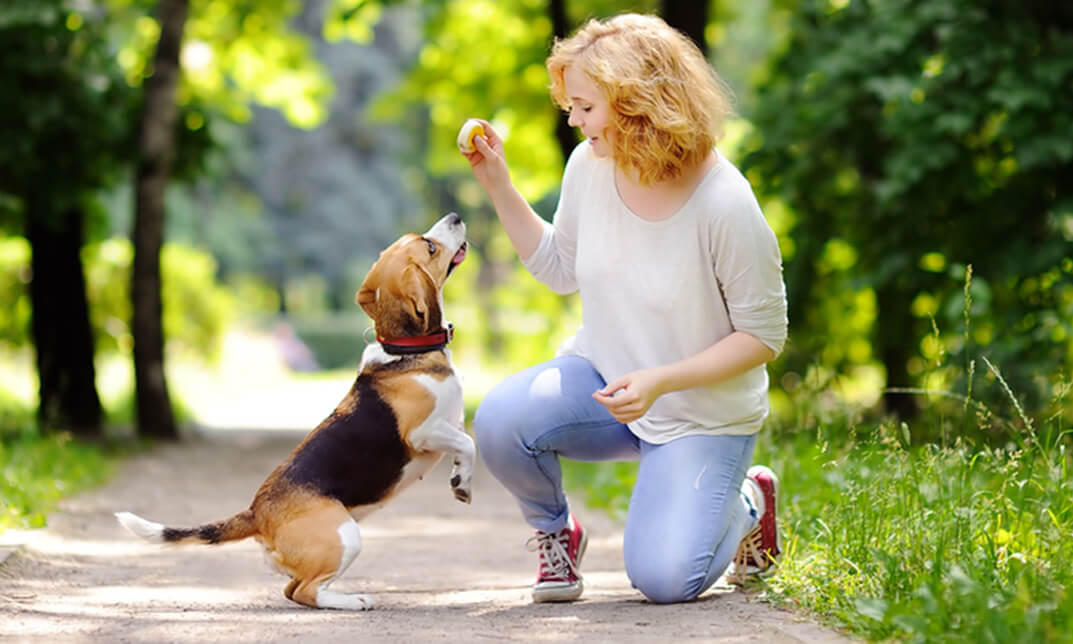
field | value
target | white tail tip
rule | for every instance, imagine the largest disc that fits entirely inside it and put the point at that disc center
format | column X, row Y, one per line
column 145, row 529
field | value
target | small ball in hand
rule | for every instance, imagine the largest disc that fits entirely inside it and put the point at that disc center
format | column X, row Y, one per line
column 470, row 129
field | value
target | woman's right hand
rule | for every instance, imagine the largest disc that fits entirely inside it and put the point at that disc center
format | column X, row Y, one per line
column 488, row 161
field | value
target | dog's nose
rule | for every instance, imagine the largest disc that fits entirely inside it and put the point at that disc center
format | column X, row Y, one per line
column 453, row 218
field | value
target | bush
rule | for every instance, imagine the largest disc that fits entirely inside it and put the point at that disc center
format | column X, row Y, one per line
column 337, row 341
column 14, row 290
column 197, row 309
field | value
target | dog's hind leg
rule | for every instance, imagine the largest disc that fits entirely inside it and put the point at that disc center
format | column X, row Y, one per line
column 319, row 554
column 288, row 592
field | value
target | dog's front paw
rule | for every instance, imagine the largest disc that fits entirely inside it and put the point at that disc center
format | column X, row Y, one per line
column 462, row 490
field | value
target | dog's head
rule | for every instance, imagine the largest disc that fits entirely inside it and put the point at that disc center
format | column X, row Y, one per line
column 402, row 292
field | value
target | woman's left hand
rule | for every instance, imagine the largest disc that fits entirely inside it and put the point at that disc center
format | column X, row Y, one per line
column 630, row 396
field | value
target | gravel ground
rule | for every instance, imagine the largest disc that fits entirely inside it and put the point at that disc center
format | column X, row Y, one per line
column 439, row 570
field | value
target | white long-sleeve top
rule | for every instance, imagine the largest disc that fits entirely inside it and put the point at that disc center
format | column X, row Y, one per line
column 654, row 293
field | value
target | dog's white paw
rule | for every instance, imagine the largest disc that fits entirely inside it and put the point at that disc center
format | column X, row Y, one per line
column 344, row 601
column 462, row 487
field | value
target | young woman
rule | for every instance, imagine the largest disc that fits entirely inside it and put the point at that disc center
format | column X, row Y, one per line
column 683, row 303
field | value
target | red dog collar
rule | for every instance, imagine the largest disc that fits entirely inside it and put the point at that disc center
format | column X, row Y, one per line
column 418, row 344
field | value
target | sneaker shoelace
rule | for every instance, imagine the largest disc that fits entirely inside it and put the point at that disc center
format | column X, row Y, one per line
column 749, row 557
column 555, row 561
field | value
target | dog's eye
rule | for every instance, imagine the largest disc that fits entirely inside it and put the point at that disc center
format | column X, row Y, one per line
column 432, row 248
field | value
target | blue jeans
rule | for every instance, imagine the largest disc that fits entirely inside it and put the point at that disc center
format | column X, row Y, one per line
column 687, row 514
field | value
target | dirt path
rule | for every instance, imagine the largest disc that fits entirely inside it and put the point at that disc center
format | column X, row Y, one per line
column 439, row 570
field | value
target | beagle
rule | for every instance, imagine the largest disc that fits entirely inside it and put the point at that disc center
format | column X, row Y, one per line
column 403, row 413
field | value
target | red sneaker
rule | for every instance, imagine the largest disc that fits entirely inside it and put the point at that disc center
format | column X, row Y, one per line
column 761, row 545
column 559, row 574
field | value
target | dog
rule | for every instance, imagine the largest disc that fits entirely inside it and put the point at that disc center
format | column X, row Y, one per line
column 401, row 416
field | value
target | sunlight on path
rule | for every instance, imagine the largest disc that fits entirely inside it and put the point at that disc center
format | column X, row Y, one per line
column 248, row 387
column 252, row 388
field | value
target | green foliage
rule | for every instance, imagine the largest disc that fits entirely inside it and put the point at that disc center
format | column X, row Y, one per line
column 336, row 341
column 485, row 59
column 36, row 471
column 607, row 486
column 14, row 282
column 16, row 418
column 924, row 137
column 122, row 410
column 65, row 109
column 197, row 309
column 936, row 544
column 353, row 19
column 517, row 322
column 234, row 54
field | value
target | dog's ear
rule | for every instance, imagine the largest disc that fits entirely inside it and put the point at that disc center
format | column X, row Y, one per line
column 367, row 296
column 415, row 286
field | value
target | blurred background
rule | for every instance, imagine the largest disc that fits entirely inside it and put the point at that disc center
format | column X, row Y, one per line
column 191, row 193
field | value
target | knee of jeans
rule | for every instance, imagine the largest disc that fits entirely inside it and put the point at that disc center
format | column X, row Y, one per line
column 496, row 425
column 662, row 579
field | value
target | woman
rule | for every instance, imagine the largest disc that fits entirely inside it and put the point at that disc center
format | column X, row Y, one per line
column 683, row 304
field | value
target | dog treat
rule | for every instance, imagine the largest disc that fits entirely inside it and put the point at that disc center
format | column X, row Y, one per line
column 470, row 129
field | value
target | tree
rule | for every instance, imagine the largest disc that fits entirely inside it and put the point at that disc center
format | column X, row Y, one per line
column 67, row 109
column 690, row 17
column 156, row 153
column 911, row 140
column 64, row 109
column 219, row 41
column 560, row 28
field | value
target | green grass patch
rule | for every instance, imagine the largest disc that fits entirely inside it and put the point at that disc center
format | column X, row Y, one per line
column 930, row 544
column 37, row 471
column 895, row 541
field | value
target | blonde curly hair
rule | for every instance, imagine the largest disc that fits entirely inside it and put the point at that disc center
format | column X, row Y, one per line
column 669, row 105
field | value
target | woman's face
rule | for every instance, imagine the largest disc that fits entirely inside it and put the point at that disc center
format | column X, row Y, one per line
column 589, row 110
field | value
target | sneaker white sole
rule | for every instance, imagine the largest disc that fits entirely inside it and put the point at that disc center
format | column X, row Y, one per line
column 561, row 591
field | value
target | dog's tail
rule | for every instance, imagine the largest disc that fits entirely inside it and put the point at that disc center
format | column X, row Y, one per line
column 237, row 527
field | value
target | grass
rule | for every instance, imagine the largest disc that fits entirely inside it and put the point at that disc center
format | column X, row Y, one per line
column 931, row 543
column 37, row 471
column 915, row 543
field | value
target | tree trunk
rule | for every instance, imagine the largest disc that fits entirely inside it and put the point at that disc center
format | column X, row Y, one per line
column 893, row 322
column 564, row 134
column 156, row 147
column 688, row 16
column 61, row 329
